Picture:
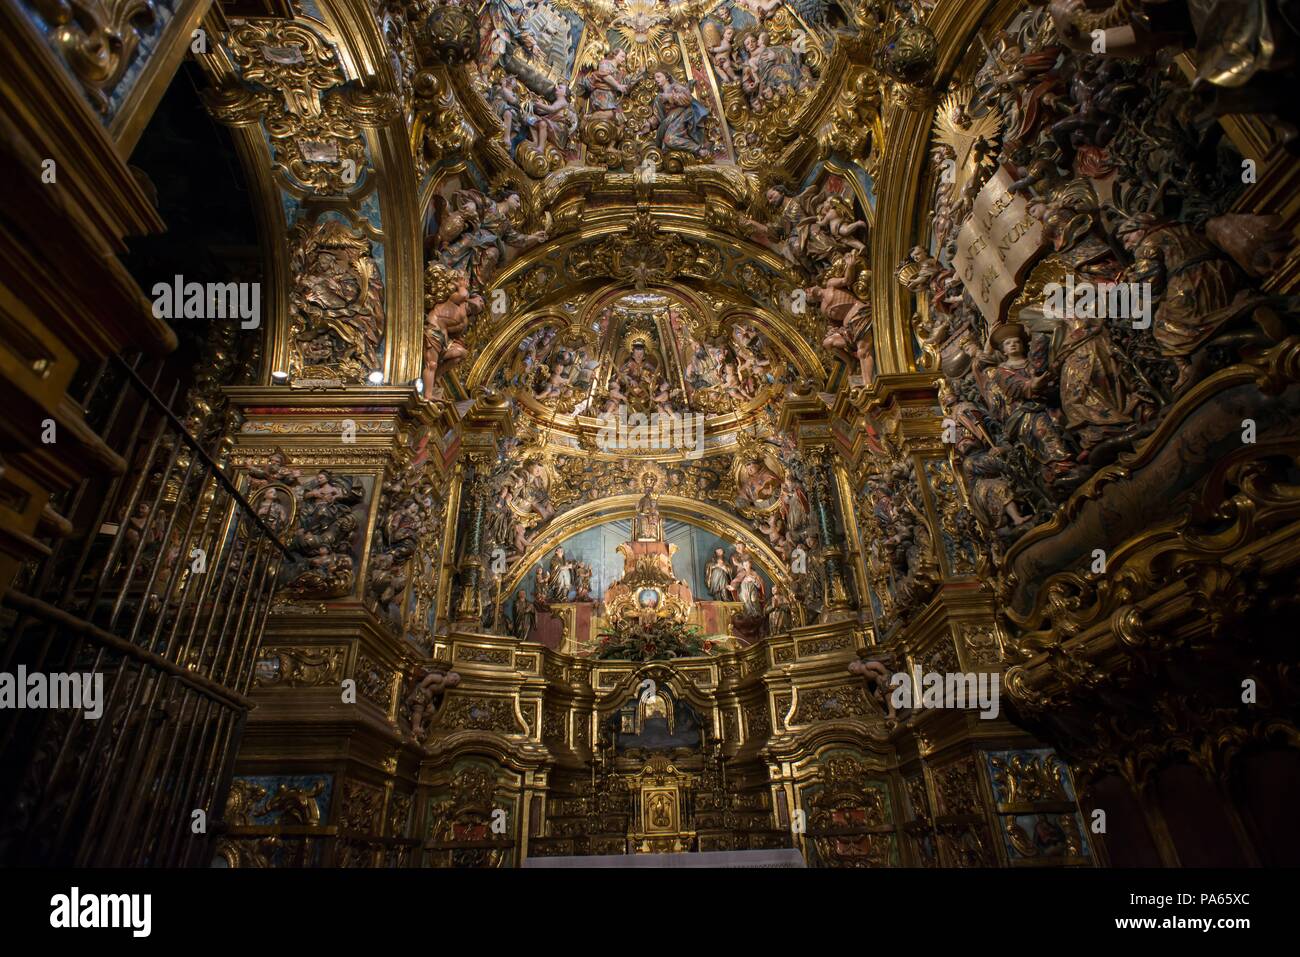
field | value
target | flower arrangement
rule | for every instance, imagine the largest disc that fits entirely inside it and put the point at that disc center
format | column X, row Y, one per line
column 630, row 640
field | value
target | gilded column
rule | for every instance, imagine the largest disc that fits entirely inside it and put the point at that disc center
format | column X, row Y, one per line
column 839, row 604
column 469, row 607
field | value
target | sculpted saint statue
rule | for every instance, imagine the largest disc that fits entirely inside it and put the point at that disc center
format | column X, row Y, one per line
column 749, row 591
column 647, row 526
column 560, row 572
column 718, row 575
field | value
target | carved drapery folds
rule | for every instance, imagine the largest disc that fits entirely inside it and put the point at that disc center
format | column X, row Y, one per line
column 336, row 304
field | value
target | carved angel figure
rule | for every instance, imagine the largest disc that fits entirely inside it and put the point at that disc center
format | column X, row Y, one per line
column 424, row 697
column 835, row 215
column 449, row 307
column 721, row 50
column 476, row 234
column 845, row 313
column 553, row 122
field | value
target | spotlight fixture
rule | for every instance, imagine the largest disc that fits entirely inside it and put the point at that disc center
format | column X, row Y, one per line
column 419, row 385
column 279, row 377
column 375, row 378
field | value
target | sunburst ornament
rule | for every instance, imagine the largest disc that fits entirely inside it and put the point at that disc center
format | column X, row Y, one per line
column 969, row 137
column 642, row 23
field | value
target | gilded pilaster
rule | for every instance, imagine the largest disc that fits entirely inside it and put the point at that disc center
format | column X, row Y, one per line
column 355, row 481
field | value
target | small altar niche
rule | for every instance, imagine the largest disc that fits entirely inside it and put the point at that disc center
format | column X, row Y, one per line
column 655, row 722
column 656, row 755
column 648, row 589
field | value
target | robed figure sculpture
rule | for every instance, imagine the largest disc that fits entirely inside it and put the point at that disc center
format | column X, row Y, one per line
column 648, row 526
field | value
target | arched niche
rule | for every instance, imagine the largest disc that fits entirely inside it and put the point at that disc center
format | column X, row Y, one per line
column 721, row 358
column 617, row 508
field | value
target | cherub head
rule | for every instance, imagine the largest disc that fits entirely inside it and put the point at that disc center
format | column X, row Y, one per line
column 443, row 284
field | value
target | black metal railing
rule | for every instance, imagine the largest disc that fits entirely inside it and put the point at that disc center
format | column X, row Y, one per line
column 157, row 598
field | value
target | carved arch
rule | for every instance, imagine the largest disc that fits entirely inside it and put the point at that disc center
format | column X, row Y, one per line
column 693, row 512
